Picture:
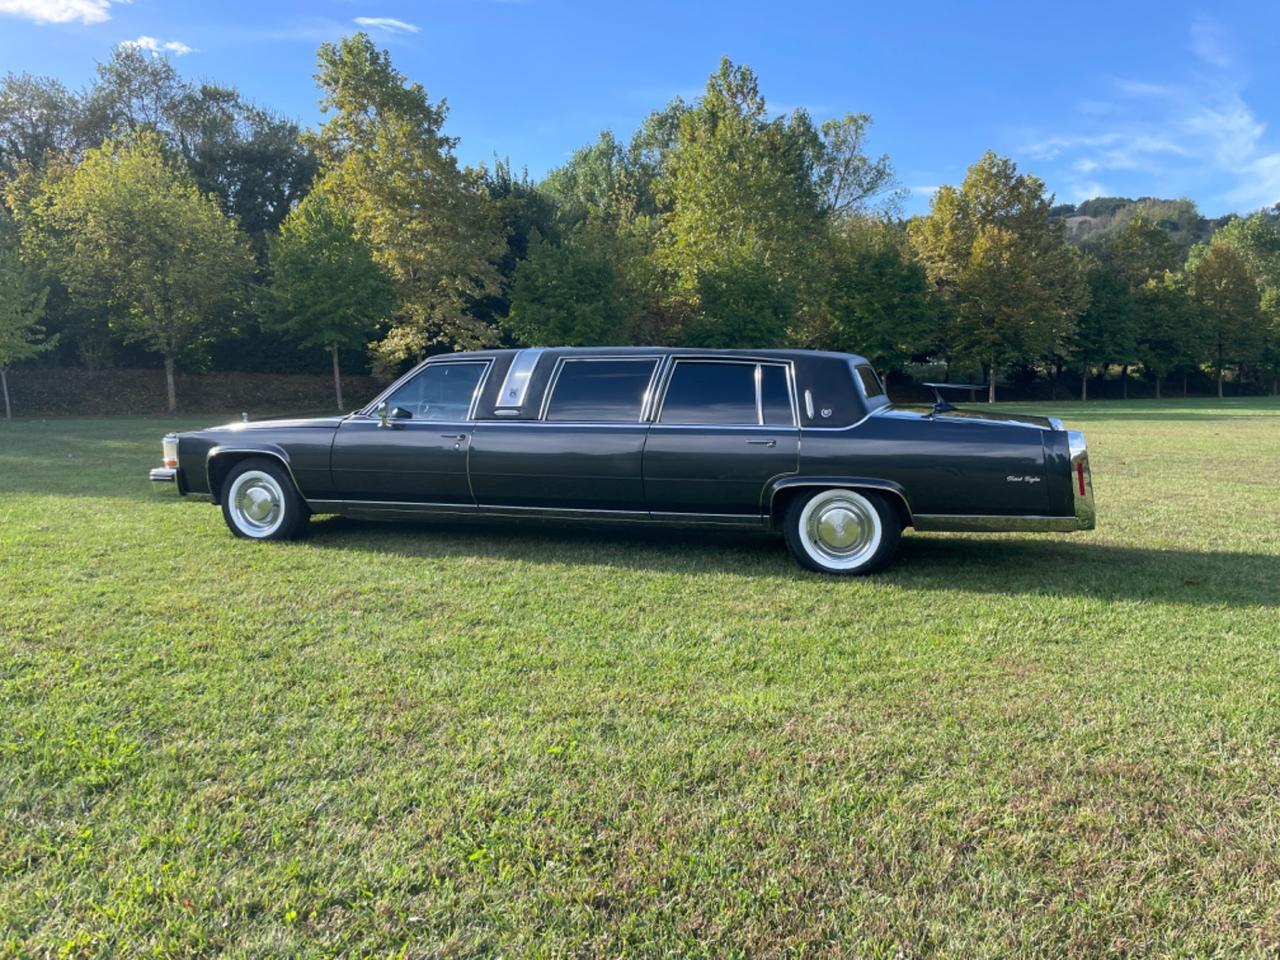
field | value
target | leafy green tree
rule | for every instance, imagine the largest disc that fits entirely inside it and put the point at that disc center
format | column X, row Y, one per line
column 384, row 152
column 129, row 229
column 877, row 301
column 38, row 117
column 743, row 208
column 326, row 291
column 849, row 179
column 1171, row 334
column 568, row 294
column 1224, row 287
column 21, row 308
column 1106, row 329
column 1012, row 286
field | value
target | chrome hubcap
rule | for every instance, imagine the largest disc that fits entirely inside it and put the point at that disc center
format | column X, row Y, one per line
column 840, row 528
column 258, row 503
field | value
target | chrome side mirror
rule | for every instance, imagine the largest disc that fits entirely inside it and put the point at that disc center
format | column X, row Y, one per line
column 383, row 412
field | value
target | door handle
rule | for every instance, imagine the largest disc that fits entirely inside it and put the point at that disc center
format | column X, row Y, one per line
column 454, row 436
column 764, row 443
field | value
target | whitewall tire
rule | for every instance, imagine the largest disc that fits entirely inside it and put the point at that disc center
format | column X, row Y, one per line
column 843, row 532
column 260, row 502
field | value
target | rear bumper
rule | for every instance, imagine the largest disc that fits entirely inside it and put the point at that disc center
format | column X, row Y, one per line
column 1086, row 513
column 962, row 523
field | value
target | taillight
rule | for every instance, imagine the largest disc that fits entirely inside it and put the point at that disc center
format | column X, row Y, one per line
column 1079, row 475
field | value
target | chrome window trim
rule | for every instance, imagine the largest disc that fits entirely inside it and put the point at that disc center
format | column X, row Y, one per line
column 523, row 366
column 561, row 361
column 787, row 365
column 422, row 369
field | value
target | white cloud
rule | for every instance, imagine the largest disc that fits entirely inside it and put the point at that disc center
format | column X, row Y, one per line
column 159, row 46
column 1197, row 135
column 59, row 11
column 388, row 24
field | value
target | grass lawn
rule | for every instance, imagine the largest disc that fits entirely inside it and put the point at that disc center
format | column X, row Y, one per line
column 462, row 741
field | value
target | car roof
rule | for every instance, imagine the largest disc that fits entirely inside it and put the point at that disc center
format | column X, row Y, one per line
column 769, row 353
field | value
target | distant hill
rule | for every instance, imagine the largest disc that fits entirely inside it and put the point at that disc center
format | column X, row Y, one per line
column 1091, row 222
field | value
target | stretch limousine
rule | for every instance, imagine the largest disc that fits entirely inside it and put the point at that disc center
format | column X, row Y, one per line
column 794, row 441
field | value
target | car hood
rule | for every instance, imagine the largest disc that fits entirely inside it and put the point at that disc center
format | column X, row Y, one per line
column 292, row 423
column 925, row 412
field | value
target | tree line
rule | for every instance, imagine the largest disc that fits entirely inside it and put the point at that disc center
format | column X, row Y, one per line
column 150, row 216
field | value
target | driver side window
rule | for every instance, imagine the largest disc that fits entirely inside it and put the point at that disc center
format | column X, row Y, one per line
column 442, row 391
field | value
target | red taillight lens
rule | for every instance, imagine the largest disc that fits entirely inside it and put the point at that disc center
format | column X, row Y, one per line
column 1079, row 476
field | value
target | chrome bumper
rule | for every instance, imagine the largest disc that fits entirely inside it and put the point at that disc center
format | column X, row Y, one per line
column 164, row 475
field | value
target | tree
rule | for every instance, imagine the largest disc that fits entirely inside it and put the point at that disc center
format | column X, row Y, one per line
column 38, row 117
column 1170, row 334
column 384, row 152
column 21, row 307
column 1106, row 328
column 325, row 290
column 1223, row 286
column 568, row 293
column 129, row 229
column 848, row 179
column 877, row 301
column 744, row 208
column 1001, row 265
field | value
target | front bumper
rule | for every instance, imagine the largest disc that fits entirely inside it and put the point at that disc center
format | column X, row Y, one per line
column 164, row 475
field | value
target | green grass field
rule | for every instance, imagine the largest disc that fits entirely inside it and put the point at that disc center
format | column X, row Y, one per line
column 476, row 741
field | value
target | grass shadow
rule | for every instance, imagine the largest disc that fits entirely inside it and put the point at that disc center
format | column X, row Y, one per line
column 1031, row 565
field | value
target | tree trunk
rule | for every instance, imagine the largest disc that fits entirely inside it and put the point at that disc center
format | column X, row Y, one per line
column 4, row 383
column 1124, row 382
column 991, row 383
column 1184, row 384
column 169, row 384
column 337, row 378
column 1219, row 369
column 1157, row 386
column 1084, row 383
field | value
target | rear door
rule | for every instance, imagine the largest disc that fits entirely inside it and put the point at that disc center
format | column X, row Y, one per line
column 421, row 455
column 723, row 430
column 584, row 451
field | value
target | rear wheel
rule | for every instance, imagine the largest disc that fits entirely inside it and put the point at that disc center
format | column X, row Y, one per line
column 843, row 532
column 260, row 502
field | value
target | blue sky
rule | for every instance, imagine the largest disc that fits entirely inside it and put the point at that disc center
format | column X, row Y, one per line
column 1164, row 99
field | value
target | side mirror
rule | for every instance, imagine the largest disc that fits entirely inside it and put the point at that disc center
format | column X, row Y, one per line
column 383, row 412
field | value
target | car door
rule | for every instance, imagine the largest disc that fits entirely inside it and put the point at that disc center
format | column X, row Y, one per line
column 582, row 453
column 723, row 430
column 420, row 455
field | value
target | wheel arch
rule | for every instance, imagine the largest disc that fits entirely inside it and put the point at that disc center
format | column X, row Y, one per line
column 221, row 459
column 782, row 492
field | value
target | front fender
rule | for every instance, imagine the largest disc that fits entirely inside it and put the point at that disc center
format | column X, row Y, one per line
column 221, row 457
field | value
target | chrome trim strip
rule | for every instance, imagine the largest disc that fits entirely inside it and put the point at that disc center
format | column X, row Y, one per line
column 970, row 523
column 217, row 451
column 515, row 385
column 1056, row 424
column 557, row 513
column 1085, row 509
column 787, row 366
column 560, row 365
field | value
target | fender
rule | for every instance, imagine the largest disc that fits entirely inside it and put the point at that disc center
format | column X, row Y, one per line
column 219, row 457
column 775, row 487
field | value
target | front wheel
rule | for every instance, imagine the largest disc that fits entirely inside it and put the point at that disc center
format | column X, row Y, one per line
column 844, row 532
column 260, row 502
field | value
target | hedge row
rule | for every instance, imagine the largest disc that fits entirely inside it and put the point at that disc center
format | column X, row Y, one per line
column 72, row 391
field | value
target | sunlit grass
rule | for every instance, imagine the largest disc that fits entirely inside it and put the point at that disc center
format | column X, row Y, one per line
column 469, row 741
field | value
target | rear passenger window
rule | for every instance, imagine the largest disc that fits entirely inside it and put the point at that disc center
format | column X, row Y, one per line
column 600, row 390
column 709, row 392
column 775, row 397
column 870, row 382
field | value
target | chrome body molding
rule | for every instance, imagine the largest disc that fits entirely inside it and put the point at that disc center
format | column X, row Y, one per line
column 843, row 483
column 397, row 509
column 261, row 450
column 1081, row 481
column 959, row 523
